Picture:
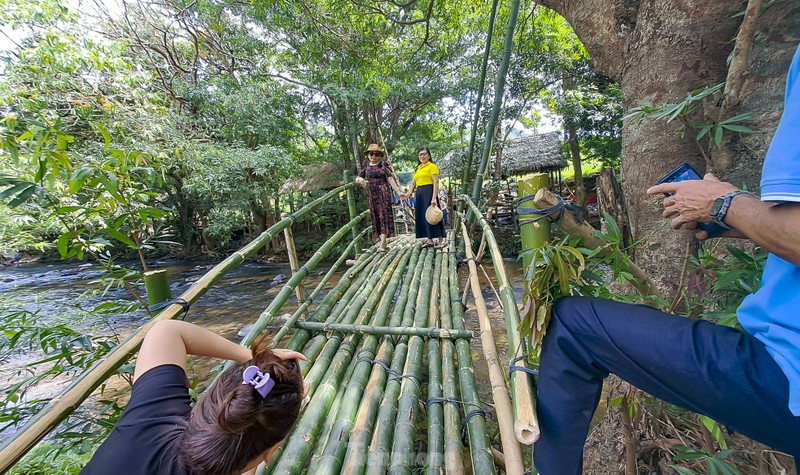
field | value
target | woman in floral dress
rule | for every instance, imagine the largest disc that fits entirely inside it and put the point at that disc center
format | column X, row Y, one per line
column 378, row 175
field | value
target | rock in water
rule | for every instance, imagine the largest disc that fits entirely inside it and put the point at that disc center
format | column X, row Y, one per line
column 280, row 278
column 244, row 331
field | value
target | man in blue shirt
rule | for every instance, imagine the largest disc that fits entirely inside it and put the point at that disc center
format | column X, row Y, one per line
column 750, row 381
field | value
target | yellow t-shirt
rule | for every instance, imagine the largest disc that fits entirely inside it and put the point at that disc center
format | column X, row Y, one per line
column 424, row 174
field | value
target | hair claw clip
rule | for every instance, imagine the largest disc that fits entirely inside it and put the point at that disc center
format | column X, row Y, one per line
column 263, row 383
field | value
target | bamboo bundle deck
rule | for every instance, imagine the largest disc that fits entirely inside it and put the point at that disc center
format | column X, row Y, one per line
column 300, row 442
column 480, row 445
column 356, row 454
column 435, row 460
column 453, row 449
column 401, row 459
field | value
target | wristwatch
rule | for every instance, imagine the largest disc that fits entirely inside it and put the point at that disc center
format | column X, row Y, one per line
column 719, row 209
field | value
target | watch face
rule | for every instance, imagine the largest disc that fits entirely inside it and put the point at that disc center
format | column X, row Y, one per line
column 716, row 207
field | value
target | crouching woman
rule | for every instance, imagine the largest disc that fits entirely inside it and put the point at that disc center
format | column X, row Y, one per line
column 234, row 426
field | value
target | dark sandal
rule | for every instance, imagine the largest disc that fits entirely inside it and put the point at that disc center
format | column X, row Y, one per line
column 427, row 244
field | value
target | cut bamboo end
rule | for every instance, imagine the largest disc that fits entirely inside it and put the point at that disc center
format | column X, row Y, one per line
column 526, row 434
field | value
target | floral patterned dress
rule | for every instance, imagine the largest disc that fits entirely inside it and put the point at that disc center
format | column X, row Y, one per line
column 380, row 197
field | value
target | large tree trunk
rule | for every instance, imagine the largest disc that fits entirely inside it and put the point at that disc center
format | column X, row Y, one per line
column 660, row 50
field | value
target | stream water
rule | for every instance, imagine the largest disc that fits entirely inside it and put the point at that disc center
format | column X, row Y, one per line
column 61, row 293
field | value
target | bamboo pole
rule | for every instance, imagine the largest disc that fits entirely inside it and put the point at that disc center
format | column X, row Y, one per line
column 300, row 442
column 274, row 307
column 351, row 207
column 453, row 449
column 479, row 443
column 70, row 398
column 435, row 458
column 157, row 285
column 526, row 425
column 322, row 283
column 381, row 441
column 294, row 263
column 425, row 332
column 502, row 402
column 402, row 456
column 356, row 455
column 544, row 199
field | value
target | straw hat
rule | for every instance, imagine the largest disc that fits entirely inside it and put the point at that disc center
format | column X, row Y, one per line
column 433, row 215
column 373, row 147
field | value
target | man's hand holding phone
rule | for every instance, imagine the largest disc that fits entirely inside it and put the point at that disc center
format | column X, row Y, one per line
column 689, row 200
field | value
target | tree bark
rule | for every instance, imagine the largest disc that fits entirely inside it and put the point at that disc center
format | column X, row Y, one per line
column 660, row 50
column 575, row 155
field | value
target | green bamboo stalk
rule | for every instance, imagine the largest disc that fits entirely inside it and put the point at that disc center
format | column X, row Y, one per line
column 331, row 460
column 276, row 340
column 435, row 459
column 351, row 207
column 26, row 437
column 453, row 450
column 300, row 442
column 380, row 445
column 402, row 455
column 337, row 299
column 499, row 88
column 274, row 307
column 479, row 443
column 502, row 401
column 479, row 100
column 425, row 332
column 526, row 425
column 356, row 455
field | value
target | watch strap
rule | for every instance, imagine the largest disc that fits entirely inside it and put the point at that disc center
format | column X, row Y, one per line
column 719, row 216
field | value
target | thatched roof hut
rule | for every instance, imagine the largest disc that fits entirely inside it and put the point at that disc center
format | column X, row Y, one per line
column 532, row 154
column 322, row 176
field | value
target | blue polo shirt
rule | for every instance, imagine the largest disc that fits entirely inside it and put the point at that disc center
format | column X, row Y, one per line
column 772, row 314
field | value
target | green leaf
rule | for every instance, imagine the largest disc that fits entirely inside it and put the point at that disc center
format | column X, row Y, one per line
column 718, row 136
column 63, row 243
column 105, row 134
column 22, row 196
column 120, row 237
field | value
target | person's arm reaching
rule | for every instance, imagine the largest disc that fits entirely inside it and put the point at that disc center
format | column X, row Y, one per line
column 774, row 227
column 170, row 341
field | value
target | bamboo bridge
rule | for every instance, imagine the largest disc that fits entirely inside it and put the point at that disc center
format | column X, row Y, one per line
column 392, row 383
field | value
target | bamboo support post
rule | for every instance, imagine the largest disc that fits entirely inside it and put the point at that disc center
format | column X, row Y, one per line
column 26, row 437
column 534, row 234
column 351, row 207
column 425, row 332
column 294, row 263
column 544, row 199
column 511, row 447
column 157, row 285
column 526, row 425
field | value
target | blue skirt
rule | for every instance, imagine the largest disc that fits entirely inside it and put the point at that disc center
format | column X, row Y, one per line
column 423, row 196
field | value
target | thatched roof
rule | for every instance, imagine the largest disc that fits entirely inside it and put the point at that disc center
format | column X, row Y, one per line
column 322, row 176
column 531, row 154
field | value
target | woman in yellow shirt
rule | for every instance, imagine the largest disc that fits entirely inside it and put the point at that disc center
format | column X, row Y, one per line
column 426, row 184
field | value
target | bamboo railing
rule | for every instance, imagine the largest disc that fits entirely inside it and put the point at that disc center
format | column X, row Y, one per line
column 526, row 425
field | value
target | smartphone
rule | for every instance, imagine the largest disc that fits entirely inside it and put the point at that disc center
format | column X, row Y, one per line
column 684, row 172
